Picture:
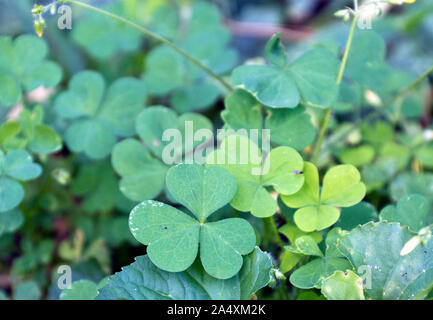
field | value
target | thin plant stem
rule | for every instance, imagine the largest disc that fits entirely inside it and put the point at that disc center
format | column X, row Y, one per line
column 273, row 226
column 149, row 34
column 381, row 109
column 328, row 114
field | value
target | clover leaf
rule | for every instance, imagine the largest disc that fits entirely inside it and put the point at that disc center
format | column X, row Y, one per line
column 103, row 37
column 311, row 77
column 143, row 168
column 314, row 272
column 411, row 183
column 284, row 167
column 319, row 210
column 289, row 258
column 98, row 116
column 288, row 127
column 411, row 210
column 206, row 39
column 375, row 248
column 366, row 61
column 97, row 185
column 23, row 67
column 360, row 213
column 173, row 237
column 82, row 290
column 29, row 132
column 15, row 166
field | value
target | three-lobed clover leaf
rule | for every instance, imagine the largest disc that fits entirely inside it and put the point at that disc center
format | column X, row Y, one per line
column 15, row 165
column 103, row 37
column 311, row 77
column 173, row 237
column 29, row 132
column 318, row 210
column 312, row 274
column 206, row 39
column 288, row 127
column 143, row 168
column 23, row 67
column 98, row 116
column 281, row 170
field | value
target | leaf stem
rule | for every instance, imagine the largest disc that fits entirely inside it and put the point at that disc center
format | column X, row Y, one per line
column 381, row 109
column 271, row 222
column 149, row 34
column 328, row 114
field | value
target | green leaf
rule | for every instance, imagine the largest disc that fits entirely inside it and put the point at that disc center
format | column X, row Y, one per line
column 99, row 117
column 411, row 210
column 154, row 122
column 312, row 77
column 365, row 63
column 27, row 290
column 410, row 183
column 376, row 247
column 305, row 245
column 22, row 64
column 173, row 237
column 425, row 156
column 143, row 281
column 282, row 170
column 288, row 127
column 142, row 176
column 11, row 194
column 341, row 285
column 18, row 164
column 357, row 156
column 314, row 272
column 255, row 273
column 291, row 127
column 8, row 130
column 10, row 221
column 103, row 37
column 275, row 52
column 341, row 188
column 360, row 213
column 202, row 190
column 97, row 185
column 80, row 290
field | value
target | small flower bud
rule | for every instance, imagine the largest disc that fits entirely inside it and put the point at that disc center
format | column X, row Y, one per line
column 341, row 13
column 410, row 245
column 39, row 27
column 53, row 9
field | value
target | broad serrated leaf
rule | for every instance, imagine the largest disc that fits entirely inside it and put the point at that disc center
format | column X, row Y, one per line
column 311, row 77
column 143, row 281
column 376, row 247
